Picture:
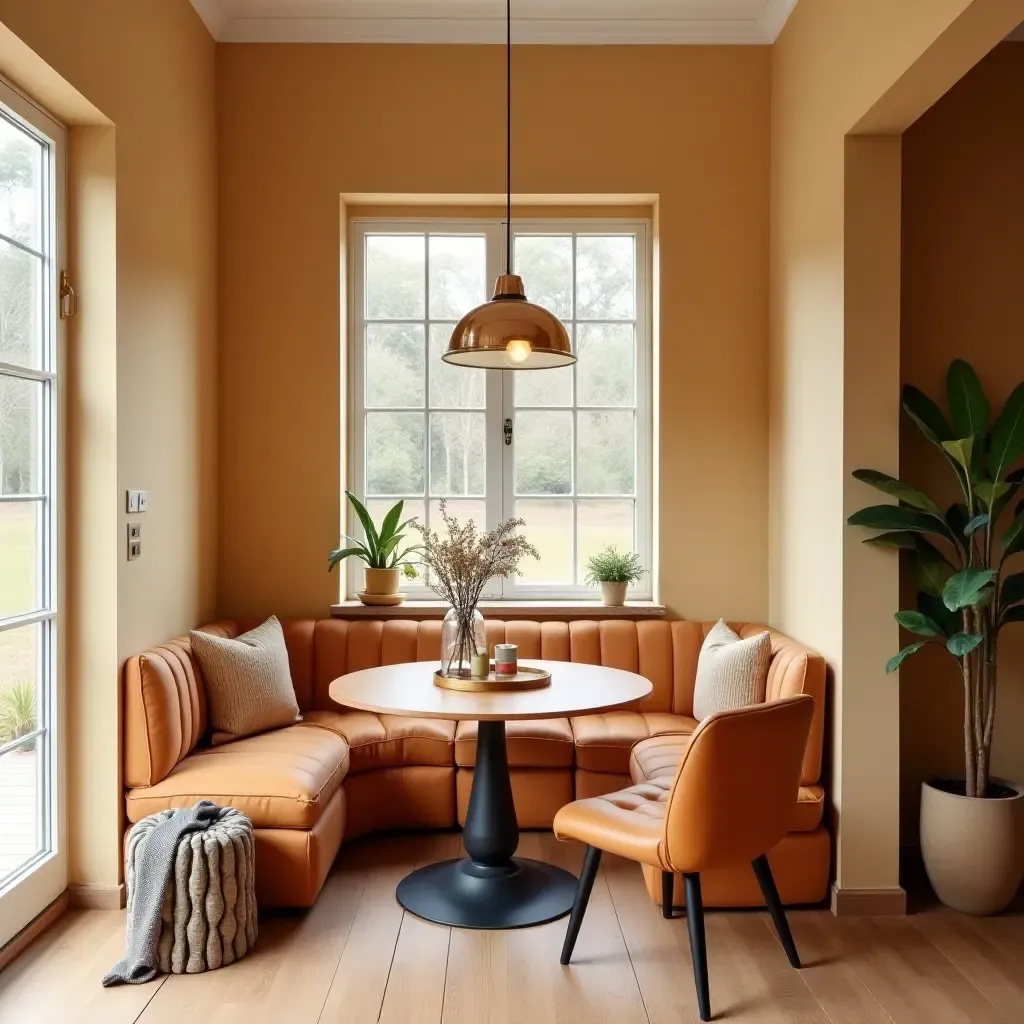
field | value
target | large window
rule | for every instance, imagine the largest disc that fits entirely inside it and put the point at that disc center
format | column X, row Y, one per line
column 32, row 862
column 567, row 450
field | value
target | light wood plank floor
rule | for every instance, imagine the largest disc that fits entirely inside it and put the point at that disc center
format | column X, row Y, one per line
column 356, row 957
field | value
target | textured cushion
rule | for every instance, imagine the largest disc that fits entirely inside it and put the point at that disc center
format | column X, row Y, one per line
column 603, row 742
column 389, row 741
column 731, row 673
column 279, row 779
column 545, row 743
column 248, row 681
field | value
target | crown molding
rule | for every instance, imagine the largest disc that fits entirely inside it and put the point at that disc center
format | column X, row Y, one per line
column 214, row 17
column 601, row 31
column 776, row 14
column 594, row 32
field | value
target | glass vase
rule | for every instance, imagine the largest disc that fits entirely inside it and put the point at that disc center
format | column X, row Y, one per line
column 462, row 636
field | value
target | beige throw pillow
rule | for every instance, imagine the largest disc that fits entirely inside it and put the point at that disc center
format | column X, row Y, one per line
column 731, row 673
column 248, row 682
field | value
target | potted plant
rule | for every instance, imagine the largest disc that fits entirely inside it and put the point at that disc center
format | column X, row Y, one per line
column 385, row 559
column 971, row 826
column 615, row 572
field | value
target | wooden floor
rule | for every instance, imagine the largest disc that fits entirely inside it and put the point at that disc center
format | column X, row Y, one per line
column 357, row 957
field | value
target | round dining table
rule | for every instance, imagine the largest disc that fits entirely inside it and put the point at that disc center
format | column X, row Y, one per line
column 489, row 887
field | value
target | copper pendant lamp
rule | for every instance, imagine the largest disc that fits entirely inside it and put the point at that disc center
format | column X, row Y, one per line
column 509, row 333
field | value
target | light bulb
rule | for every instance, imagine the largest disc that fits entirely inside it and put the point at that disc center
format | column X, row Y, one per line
column 518, row 350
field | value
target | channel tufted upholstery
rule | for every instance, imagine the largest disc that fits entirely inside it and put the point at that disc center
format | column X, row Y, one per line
column 343, row 772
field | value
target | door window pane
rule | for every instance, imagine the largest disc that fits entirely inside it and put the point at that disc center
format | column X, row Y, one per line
column 20, row 563
column 458, row 275
column 21, row 403
column 21, row 339
column 395, row 277
column 21, row 820
column 543, row 452
column 395, row 365
column 549, row 529
column 394, row 453
column 544, row 387
column 605, row 285
column 21, row 177
column 457, row 463
column 544, row 262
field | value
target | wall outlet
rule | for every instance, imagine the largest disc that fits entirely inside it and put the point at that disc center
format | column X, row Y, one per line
column 134, row 532
column 143, row 501
column 134, row 550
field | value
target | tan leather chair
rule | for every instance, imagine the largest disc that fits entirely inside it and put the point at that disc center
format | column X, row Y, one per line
column 729, row 803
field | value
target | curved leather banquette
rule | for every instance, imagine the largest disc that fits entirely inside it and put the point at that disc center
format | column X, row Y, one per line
column 344, row 773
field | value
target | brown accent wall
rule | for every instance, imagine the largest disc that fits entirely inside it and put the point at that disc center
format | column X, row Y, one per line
column 302, row 125
column 962, row 297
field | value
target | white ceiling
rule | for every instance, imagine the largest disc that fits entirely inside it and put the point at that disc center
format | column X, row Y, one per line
column 483, row 21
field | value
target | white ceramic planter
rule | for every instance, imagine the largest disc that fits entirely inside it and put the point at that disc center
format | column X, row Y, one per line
column 613, row 594
column 973, row 847
column 382, row 582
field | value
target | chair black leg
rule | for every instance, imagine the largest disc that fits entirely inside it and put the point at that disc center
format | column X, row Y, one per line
column 698, row 945
column 667, row 891
column 771, row 897
column 579, row 907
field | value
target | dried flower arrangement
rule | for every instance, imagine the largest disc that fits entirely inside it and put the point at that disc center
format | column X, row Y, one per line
column 461, row 564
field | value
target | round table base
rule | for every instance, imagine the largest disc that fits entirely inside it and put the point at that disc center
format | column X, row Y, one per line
column 464, row 895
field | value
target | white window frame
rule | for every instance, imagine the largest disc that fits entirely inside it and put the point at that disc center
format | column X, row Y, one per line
column 500, row 496
column 44, row 877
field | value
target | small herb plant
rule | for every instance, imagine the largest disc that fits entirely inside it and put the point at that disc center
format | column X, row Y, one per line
column 382, row 548
column 17, row 712
column 614, row 566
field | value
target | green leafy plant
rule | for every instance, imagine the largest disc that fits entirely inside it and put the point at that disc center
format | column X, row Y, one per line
column 382, row 548
column 962, row 554
column 17, row 712
column 613, row 566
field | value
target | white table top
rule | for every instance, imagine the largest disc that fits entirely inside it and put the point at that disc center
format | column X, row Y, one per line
column 408, row 689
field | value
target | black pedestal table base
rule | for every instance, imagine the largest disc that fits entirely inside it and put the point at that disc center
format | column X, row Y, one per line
column 490, row 888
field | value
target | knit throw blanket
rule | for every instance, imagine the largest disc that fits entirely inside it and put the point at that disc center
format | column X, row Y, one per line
column 210, row 848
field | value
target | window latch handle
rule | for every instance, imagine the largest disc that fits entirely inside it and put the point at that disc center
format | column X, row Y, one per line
column 508, row 432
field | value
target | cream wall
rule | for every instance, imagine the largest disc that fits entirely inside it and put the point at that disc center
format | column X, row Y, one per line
column 142, row 394
column 841, row 68
column 963, row 264
column 301, row 125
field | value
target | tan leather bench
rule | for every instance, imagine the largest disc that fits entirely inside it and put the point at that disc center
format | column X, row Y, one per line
column 347, row 773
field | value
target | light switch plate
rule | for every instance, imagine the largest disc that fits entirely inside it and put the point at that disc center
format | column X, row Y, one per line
column 132, row 501
column 143, row 501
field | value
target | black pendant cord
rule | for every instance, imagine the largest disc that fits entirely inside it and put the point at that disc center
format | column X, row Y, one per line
column 508, row 136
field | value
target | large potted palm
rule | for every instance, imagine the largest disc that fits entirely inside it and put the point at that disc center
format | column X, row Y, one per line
column 972, row 827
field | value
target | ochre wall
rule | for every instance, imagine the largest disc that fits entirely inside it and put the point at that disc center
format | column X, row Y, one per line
column 149, row 67
column 870, row 66
column 963, row 268
column 301, row 125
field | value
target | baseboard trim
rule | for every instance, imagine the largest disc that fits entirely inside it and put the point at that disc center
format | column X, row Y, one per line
column 97, row 897
column 869, row 902
column 17, row 945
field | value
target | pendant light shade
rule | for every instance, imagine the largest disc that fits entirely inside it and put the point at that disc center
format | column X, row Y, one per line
column 509, row 333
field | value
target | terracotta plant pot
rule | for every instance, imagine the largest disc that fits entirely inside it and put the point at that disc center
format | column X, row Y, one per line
column 973, row 847
column 382, row 582
column 613, row 594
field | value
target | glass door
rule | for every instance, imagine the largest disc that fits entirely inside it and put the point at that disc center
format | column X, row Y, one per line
column 33, row 861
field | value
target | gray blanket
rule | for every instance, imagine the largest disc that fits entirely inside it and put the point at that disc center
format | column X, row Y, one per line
column 141, row 961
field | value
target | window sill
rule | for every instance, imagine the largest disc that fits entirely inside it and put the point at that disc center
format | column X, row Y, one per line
column 504, row 610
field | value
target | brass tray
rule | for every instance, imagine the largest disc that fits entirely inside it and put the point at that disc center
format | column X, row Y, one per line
column 527, row 678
